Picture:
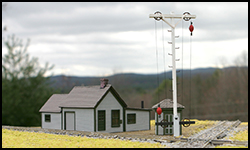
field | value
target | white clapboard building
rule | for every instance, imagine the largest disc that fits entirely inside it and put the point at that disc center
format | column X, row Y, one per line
column 93, row 108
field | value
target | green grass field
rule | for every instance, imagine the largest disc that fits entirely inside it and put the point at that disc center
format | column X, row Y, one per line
column 19, row 139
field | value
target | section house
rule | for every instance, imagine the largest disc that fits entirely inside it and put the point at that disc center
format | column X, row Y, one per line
column 93, row 108
column 166, row 116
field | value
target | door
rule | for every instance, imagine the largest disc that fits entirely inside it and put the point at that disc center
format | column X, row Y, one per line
column 101, row 120
column 69, row 121
column 169, row 128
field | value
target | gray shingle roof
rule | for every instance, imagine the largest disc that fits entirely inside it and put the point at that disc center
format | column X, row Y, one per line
column 52, row 104
column 84, row 96
column 167, row 103
column 79, row 97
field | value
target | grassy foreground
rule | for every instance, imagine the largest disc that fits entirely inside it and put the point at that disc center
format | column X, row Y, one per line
column 19, row 139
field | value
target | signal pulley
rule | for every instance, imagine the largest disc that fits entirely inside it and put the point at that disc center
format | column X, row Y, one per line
column 158, row 18
column 186, row 18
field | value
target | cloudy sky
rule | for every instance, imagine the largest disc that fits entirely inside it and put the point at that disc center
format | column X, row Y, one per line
column 99, row 39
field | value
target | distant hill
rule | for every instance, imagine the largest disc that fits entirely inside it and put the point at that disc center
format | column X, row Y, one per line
column 214, row 95
column 124, row 80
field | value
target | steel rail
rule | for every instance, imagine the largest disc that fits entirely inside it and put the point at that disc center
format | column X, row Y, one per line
column 215, row 135
column 208, row 136
column 196, row 137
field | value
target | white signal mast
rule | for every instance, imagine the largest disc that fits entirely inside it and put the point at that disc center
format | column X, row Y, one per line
column 186, row 16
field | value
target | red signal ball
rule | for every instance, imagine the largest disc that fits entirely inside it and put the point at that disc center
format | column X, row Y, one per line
column 191, row 28
column 159, row 110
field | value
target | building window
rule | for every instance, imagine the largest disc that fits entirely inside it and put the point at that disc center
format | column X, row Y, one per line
column 131, row 118
column 115, row 118
column 47, row 118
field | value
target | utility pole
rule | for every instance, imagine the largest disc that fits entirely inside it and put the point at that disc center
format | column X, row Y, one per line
column 186, row 16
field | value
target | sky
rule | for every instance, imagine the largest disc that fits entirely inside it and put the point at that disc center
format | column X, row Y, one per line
column 105, row 38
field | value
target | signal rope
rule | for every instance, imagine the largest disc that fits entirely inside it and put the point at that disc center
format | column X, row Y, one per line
column 190, row 89
column 165, row 76
column 156, row 49
column 182, row 63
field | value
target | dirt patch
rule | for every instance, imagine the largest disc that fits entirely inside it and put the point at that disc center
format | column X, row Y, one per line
column 150, row 134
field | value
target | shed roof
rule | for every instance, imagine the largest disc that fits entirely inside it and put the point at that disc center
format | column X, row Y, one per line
column 80, row 97
column 53, row 102
column 167, row 103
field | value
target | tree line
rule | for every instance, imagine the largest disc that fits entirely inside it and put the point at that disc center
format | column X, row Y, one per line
column 24, row 87
column 223, row 95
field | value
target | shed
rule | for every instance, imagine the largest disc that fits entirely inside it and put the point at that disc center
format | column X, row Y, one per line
column 93, row 108
column 167, row 115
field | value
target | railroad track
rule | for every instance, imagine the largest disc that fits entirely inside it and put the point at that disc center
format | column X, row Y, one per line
column 209, row 136
column 228, row 126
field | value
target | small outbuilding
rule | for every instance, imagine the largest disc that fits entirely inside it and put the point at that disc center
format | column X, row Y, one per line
column 93, row 108
column 166, row 116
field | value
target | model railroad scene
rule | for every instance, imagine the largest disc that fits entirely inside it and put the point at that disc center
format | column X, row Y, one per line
column 72, row 122
column 177, row 106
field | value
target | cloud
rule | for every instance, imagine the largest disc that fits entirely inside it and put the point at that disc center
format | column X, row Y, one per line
column 81, row 18
column 97, row 36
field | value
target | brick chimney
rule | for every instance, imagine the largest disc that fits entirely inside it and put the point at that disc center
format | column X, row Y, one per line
column 104, row 82
column 142, row 104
